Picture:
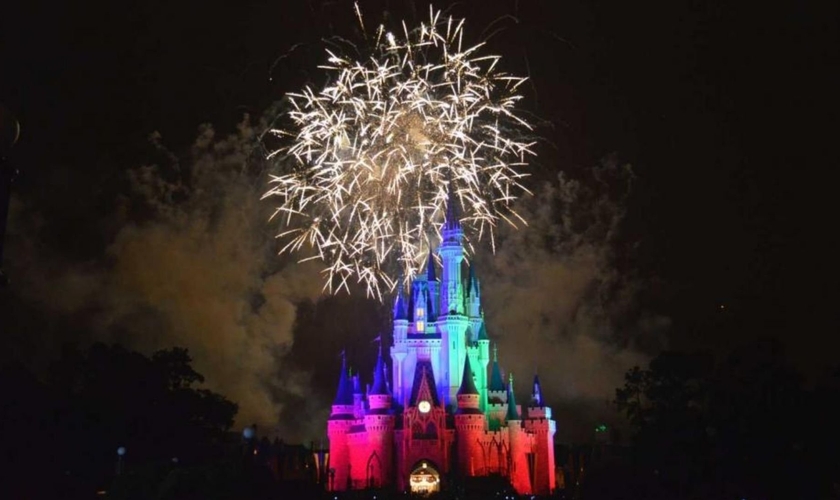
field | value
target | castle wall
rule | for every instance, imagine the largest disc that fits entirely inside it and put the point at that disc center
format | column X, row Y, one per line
column 520, row 445
column 339, row 454
column 470, row 431
column 543, row 431
column 359, row 455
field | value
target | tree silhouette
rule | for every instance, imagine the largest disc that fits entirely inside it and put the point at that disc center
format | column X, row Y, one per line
column 94, row 401
column 740, row 427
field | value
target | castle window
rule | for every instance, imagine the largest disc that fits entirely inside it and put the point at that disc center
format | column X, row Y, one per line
column 419, row 431
column 431, row 431
column 420, row 313
column 421, row 327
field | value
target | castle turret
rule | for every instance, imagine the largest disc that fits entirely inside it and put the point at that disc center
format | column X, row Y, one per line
column 434, row 288
column 467, row 392
column 340, row 421
column 399, row 350
column 400, row 306
column 483, row 361
column 470, row 425
column 496, row 408
column 379, row 426
column 537, row 407
column 497, row 390
column 452, row 322
column 520, row 445
column 512, row 410
column 358, row 397
column 343, row 402
column 542, row 429
column 379, row 395
column 452, row 253
column 473, row 294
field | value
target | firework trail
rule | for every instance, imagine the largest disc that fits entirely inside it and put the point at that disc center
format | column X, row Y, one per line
column 374, row 154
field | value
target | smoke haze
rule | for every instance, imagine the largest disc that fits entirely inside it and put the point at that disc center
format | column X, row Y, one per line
column 192, row 262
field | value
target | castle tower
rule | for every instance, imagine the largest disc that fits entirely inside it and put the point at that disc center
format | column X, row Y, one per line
column 379, row 427
column 452, row 321
column 470, row 426
column 483, row 361
column 540, row 425
column 496, row 395
column 338, row 426
column 452, row 254
column 399, row 352
column 520, row 445
column 358, row 397
column 473, row 294
column 434, row 288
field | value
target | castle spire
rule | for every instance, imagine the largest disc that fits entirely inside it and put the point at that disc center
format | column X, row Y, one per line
column 344, row 395
column 453, row 215
column 400, row 309
column 497, row 384
column 536, row 396
column 452, row 224
column 451, row 252
column 482, row 332
column 467, row 382
column 430, row 266
column 512, row 413
column 379, row 384
column 472, row 281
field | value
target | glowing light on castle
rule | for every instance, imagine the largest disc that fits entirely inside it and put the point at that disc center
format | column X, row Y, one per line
column 446, row 412
column 376, row 151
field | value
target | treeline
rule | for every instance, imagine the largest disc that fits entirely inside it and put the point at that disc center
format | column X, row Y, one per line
column 61, row 431
column 744, row 426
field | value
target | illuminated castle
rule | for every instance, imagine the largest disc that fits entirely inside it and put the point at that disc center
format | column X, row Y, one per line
column 447, row 413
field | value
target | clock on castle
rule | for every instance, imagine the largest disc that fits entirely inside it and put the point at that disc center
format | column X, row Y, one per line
column 446, row 411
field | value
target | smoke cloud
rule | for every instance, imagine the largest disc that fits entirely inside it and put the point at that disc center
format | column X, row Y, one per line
column 558, row 304
column 191, row 264
column 190, row 260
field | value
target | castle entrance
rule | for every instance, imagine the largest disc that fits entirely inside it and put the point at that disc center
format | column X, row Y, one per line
column 424, row 479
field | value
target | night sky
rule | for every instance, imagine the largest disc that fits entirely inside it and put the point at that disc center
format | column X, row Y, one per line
column 688, row 161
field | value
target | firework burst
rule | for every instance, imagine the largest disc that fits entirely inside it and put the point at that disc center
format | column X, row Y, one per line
column 375, row 153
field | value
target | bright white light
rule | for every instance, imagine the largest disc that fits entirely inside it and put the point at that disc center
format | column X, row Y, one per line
column 374, row 153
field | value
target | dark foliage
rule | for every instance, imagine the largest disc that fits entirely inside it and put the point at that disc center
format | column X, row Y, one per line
column 742, row 427
column 62, row 434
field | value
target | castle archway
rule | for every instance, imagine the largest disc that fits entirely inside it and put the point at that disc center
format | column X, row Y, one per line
column 374, row 471
column 424, row 478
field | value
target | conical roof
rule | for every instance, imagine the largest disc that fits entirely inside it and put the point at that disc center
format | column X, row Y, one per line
column 472, row 282
column 512, row 414
column 482, row 333
column 344, row 395
column 430, row 266
column 453, row 214
column 467, row 381
column 536, row 396
column 400, row 309
column 496, row 382
column 379, row 386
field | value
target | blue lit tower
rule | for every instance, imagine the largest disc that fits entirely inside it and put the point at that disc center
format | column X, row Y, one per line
column 452, row 254
column 453, row 322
